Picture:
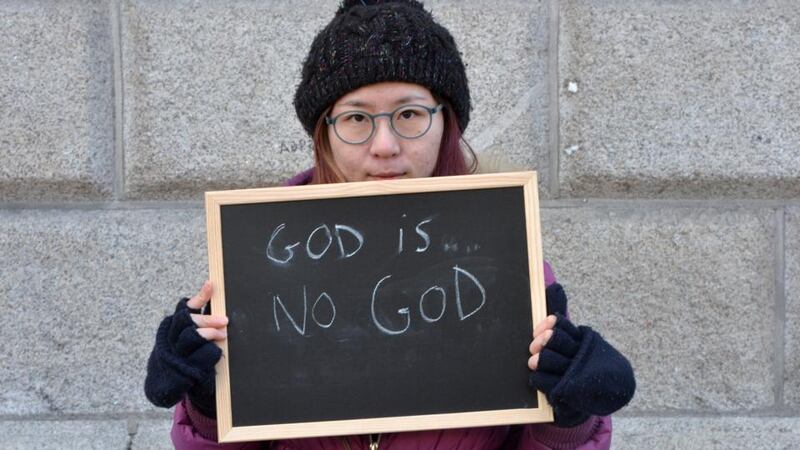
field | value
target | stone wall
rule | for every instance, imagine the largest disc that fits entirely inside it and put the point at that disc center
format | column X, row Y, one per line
column 666, row 135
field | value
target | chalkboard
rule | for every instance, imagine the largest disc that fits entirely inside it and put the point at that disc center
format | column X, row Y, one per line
column 377, row 306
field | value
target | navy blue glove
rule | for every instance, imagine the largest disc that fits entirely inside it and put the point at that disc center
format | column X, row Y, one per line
column 182, row 362
column 580, row 373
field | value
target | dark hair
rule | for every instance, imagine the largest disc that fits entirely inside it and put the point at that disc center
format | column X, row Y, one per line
column 456, row 157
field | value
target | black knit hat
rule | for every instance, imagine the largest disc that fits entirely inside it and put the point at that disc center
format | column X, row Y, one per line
column 370, row 41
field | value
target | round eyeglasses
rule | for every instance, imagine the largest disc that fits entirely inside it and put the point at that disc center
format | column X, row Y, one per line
column 408, row 122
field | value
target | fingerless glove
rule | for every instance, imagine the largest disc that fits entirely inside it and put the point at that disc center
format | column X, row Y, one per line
column 182, row 362
column 580, row 373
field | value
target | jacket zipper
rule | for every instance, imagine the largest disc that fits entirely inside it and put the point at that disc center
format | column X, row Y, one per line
column 374, row 442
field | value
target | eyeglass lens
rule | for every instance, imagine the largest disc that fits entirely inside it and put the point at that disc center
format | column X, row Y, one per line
column 409, row 122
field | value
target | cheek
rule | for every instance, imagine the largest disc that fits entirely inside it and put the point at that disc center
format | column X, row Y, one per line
column 348, row 161
column 339, row 152
column 343, row 161
column 425, row 157
column 435, row 146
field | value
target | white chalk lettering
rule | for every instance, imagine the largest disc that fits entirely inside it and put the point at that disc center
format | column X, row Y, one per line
column 353, row 232
column 319, row 255
column 401, row 311
column 425, row 236
column 333, row 310
column 457, row 270
column 288, row 249
column 400, row 239
column 276, row 300
column 449, row 244
column 422, row 300
column 400, row 242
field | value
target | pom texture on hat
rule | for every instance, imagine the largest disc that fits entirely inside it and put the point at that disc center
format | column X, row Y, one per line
column 373, row 41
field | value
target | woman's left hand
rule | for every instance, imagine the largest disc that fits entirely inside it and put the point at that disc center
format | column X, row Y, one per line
column 578, row 371
column 541, row 335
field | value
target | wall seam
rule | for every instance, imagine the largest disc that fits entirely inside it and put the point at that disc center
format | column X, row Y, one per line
column 749, row 414
column 555, row 118
column 641, row 204
column 119, row 102
column 780, row 306
column 104, row 205
column 132, row 419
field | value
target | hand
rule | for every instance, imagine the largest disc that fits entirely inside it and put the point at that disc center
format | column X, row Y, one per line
column 183, row 358
column 541, row 335
column 211, row 328
column 580, row 373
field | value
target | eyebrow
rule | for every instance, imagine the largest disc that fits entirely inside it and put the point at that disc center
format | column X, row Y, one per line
column 362, row 104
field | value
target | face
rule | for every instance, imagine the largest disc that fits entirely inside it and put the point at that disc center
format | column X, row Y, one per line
column 386, row 155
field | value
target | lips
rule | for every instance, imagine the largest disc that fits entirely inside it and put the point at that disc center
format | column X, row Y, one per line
column 385, row 175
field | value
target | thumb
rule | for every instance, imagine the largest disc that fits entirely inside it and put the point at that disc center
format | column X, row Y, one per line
column 202, row 297
column 556, row 299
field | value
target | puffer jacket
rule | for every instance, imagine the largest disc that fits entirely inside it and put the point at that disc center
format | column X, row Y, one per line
column 191, row 430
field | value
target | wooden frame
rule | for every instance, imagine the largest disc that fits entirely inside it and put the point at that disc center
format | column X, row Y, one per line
column 214, row 200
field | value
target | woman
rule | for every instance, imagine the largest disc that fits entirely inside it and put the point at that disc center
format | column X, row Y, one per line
column 384, row 95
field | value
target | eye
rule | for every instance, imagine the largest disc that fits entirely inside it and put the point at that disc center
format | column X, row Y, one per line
column 410, row 113
column 355, row 117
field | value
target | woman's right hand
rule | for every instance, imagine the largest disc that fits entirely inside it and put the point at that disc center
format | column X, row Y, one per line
column 183, row 358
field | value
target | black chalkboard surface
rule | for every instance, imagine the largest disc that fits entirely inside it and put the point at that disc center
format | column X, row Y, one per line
column 377, row 306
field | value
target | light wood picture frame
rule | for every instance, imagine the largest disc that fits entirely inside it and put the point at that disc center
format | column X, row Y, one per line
column 214, row 201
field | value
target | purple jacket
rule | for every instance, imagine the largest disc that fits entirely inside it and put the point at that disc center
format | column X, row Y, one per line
column 193, row 431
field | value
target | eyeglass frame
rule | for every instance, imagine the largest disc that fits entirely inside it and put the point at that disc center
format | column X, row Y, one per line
column 431, row 110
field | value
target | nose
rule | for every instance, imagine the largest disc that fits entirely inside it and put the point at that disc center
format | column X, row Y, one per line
column 384, row 143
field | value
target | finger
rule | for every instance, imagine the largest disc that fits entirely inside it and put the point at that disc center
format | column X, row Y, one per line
column 212, row 334
column 552, row 362
column 540, row 341
column 179, row 322
column 202, row 297
column 563, row 324
column 563, row 343
column 556, row 299
column 547, row 324
column 203, row 321
column 206, row 357
column 188, row 342
column 533, row 361
column 543, row 381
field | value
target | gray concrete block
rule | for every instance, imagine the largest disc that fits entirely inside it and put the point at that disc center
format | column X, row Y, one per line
column 208, row 93
column 56, row 112
column 56, row 435
column 152, row 435
column 86, row 291
column 683, row 433
column 508, row 78
column 209, row 87
column 686, row 293
column 792, row 320
column 679, row 99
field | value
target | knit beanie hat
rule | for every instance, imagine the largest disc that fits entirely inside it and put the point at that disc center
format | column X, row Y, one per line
column 371, row 41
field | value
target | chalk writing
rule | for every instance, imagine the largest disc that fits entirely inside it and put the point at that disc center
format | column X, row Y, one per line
column 443, row 295
column 424, row 236
column 405, row 311
column 271, row 252
column 301, row 330
column 315, row 254
column 319, row 241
